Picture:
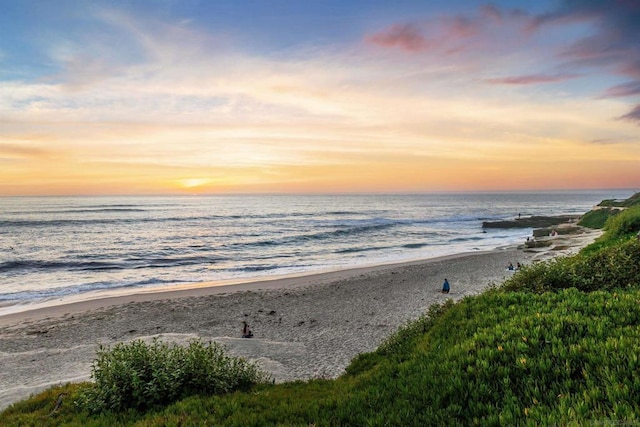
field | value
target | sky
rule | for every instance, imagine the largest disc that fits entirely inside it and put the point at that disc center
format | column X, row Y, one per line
column 255, row 96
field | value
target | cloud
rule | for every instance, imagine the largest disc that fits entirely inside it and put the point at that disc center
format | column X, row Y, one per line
column 613, row 46
column 446, row 35
column 616, row 140
column 625, row 89
column 633, row 115
column 487, row 29
column 589, row 37
column 21, row 151
column 532, row 79
column 407, row 37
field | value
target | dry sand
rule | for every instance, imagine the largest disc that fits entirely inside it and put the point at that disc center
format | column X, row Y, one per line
column 304, row 327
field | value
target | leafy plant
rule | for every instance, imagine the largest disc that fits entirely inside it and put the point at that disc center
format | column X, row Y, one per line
column 608, row 268
column 140, row 375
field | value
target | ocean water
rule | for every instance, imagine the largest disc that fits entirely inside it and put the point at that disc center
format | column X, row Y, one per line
column 53, row 247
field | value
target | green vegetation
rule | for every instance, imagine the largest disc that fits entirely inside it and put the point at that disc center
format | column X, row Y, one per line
column 137, row 375
column 555, row 345
column 623, row 225
column 612, row 267
column 631, row 201
column 597, row 218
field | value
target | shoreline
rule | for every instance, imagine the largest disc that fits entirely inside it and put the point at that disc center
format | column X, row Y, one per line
column 76, row 304
column 304, row 327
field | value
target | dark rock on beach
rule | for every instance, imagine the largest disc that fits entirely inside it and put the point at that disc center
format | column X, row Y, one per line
column 532, row 222
column 559, row 230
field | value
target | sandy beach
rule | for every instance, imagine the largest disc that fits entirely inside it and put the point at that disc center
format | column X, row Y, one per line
column 304, row 327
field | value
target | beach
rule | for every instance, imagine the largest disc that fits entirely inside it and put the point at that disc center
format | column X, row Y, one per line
column 304, row 327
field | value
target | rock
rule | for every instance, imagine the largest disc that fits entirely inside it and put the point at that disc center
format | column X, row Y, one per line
column 532, row 222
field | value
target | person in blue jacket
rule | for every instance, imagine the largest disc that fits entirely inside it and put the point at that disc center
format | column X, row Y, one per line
column 445, row 287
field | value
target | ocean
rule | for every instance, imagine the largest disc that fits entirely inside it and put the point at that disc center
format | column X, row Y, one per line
column 55, row 247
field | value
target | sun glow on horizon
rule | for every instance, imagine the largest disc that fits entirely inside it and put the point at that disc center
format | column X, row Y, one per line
column 191, row 183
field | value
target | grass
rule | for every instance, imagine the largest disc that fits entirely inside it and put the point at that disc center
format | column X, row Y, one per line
column 555, row 345
column 597, row 218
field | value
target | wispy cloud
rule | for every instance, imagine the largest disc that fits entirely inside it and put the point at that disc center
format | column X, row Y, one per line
column 407, row 36
column 633, row 115
column 22, row 151
column 532, row 79
column 624, row 89
column 613, row 46
column 449, row 34
column 614, row 141
column 488, row 28
column 610, row 47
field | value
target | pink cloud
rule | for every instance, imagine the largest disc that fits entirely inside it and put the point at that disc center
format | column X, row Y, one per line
column 532, row 79
column 487, row 29
column 448, row 35
column 632, row 69
column 611, row 45
column 404, row 36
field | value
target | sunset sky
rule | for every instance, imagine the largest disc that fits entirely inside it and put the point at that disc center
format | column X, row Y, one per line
column 189, row 96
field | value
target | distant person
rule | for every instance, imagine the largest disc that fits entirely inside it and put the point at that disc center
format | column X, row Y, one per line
column 510, row 267
column 445, row 287
column 518, row 266
column 246, row 331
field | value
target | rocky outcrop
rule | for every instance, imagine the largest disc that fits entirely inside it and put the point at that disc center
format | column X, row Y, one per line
column 532, row 222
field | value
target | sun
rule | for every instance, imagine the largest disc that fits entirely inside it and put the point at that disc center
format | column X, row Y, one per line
column 194, row 182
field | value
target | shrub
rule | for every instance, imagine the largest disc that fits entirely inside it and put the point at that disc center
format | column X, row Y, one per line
column 624, row 224
column 610, row 267
column 137, row 375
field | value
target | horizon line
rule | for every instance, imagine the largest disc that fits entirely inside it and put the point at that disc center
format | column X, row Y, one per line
column 342, row 193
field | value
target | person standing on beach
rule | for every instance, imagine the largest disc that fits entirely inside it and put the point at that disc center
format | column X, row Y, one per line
column 445, row 287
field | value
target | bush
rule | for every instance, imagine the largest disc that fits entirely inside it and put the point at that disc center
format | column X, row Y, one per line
column 137, row 375
column 611, row 267
column 624, row 224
